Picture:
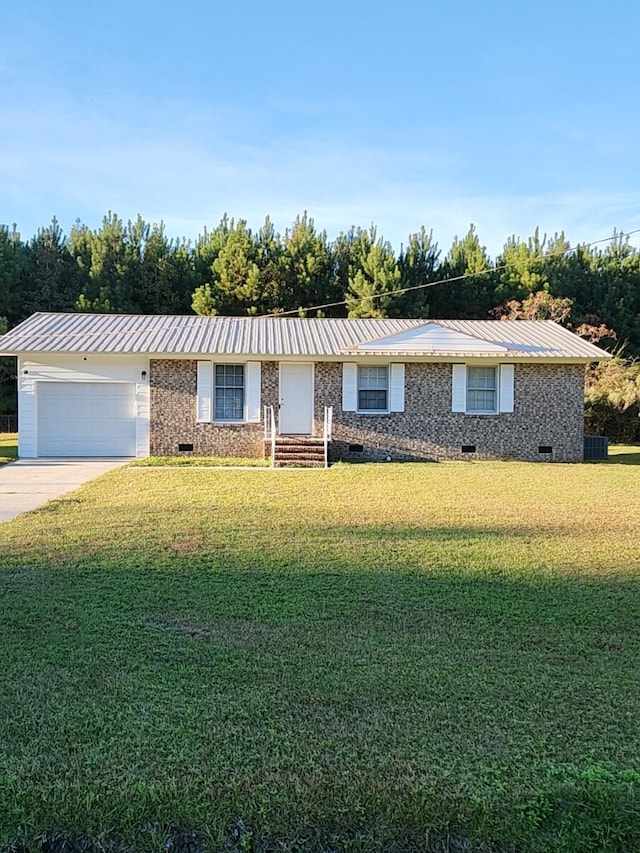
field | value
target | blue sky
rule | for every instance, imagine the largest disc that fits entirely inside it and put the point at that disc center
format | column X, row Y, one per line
column 505, row 114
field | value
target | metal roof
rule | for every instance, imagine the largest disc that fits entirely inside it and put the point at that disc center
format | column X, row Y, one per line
column 291, row 336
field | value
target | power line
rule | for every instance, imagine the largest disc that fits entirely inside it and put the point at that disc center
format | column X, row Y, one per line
column 462, row 277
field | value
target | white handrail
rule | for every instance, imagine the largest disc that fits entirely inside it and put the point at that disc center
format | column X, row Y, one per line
column 273, row 436
column 326, row 432
column 270, row 431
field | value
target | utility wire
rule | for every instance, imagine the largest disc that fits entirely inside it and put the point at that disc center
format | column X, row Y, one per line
column 462, row 277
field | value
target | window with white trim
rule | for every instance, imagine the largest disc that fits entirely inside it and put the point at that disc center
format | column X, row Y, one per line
column 482, row 390
column 373, row 388
column 228, row 400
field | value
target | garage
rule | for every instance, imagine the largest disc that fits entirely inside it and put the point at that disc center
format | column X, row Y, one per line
column 86, row 419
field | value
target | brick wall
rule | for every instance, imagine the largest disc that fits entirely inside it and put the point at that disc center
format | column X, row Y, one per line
column 173, row 414
column 548, row 411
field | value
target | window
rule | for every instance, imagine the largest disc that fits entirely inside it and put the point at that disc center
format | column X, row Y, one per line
column 229, row 392
column 373, row 389
column 482, row 389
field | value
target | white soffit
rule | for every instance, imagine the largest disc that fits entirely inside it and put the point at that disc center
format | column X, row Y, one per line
column 432, row 338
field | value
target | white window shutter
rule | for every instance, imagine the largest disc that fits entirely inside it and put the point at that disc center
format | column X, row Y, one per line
column 204, row 390
column 349, row 387
column 396, row 388
column 506, row 387
column 459, row 388
column 252, row 391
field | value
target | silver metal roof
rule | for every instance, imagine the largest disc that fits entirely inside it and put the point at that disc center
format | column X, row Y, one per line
column 291, row 336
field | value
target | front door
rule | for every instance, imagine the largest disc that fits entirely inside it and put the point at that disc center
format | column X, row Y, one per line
column 296, row 399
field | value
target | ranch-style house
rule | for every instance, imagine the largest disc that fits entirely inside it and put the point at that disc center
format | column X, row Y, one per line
column 300, row 389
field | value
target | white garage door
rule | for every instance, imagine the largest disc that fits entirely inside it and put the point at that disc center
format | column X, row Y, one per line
column 86, row 419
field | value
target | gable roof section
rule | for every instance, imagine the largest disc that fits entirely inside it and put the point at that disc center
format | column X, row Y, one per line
column 293, row 336
column 476, row 338
column 432, row 339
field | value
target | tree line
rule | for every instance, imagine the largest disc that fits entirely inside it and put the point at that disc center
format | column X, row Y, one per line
column 136, row 267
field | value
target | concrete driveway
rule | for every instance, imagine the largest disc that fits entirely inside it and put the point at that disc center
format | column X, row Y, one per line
column 29, row 483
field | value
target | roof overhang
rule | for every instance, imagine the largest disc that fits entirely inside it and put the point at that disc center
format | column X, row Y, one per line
column 296, row 339
column 386, row 357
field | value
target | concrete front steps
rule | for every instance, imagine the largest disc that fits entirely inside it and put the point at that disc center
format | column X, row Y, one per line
column 298, row 451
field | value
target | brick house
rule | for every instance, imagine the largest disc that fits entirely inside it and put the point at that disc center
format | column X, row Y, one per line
column 131, row 385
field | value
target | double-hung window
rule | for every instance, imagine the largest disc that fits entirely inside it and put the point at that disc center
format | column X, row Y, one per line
column 228, row 392
column 482, row 390
column 373, row 389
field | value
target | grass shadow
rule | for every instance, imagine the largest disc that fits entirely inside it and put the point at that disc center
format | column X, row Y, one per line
column 369, row 659
column 320, row 705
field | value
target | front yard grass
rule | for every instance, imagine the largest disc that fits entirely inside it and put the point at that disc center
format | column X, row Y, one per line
column 201, row 462
column 369, row 657
column 8, row 447
column 624, row 454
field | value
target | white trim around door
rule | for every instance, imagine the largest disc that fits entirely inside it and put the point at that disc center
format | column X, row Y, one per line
column 296, row 398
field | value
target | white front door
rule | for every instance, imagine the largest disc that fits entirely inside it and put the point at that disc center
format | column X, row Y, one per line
column 296, row 399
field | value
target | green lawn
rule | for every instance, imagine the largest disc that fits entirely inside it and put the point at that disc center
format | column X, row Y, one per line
column 8, row 447
column 624, row 454
column 370, row 657
column 201, row 462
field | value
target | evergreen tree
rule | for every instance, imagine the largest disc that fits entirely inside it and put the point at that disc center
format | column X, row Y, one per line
column 137, row 267
column 207, row 249
column 418, row 265
column 307, row 268
column 618, row 271
column 373, row 275
column 472, row 296
column 235, row 285
column 341, row 253
column 522, row 268
column 203, row 301
column 12, row 260
column 49, row 277
column 80, row 247
column 165, row 276
column 269, row 250
column 114, row 252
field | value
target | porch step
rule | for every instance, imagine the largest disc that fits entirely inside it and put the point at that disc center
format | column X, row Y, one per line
column 299, row 452
column 298, row 441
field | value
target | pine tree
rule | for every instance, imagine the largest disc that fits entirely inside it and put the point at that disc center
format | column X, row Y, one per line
column 472, row 296
column 373, row 275
column 418, row 265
